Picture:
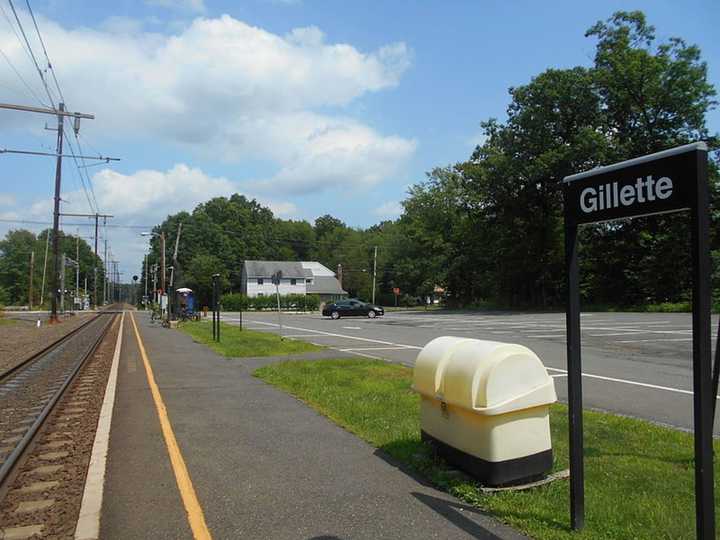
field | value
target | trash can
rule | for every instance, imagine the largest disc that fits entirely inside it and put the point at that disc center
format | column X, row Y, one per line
column 485, row 408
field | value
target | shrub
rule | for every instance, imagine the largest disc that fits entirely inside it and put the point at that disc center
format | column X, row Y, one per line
column 288, row 302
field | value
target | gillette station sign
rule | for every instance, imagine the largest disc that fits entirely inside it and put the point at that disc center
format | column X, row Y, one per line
column 654, row 184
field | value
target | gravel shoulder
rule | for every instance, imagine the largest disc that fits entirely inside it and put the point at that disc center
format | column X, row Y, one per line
column 23, row 338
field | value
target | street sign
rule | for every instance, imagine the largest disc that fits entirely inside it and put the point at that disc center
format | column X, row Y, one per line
column 276, row 277
column 396, row 290
column 655, row 184
column 668, row 181
column 135, row 278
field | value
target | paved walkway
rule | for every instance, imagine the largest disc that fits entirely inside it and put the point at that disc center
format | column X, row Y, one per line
column 263, row 464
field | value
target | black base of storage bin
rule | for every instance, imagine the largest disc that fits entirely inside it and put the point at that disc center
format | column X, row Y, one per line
column 488, row 473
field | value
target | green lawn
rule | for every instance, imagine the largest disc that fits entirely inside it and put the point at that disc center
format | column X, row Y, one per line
column 236, row 343
column 6, row 322
column 638, row 476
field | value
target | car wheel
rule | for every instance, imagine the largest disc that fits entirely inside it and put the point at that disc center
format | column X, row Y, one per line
column 335, row 315
column 371, row 314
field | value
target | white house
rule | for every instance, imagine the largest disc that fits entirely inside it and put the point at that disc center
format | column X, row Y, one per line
column 306, row 277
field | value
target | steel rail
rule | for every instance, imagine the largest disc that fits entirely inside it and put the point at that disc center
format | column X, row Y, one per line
column 15, row 456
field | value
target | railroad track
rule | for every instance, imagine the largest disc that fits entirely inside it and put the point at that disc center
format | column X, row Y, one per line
column 30, row 390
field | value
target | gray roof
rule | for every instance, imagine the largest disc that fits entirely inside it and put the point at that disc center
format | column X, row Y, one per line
column 265, row 269
column 325, row 285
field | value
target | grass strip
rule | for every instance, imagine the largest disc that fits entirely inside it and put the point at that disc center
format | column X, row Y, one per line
column 238, row 343
column 638, row 476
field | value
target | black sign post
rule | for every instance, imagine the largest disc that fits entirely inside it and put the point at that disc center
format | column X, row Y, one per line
column 669, row 181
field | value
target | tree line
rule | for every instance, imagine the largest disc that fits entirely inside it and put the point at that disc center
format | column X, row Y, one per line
column 489, row 230
column 17, row 249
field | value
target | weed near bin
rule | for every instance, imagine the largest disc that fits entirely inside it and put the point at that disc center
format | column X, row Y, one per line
column 238, row 343
column 639, row 476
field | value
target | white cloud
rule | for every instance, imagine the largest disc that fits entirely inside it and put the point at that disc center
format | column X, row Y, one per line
column 389, row 209
column 7, row 199
column 222, row 88
column 150, row 195
column 147, row 197
column 194, row 6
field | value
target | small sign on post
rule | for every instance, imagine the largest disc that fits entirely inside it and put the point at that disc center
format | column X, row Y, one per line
column 670, row 181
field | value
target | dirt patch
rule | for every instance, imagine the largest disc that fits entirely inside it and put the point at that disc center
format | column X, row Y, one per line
column 23, row 338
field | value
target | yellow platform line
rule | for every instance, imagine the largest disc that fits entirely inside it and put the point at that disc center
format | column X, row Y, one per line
column 195, row 515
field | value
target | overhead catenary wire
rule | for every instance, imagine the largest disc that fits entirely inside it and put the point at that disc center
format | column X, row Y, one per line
column 22, row 79
column 35, row 222
column 85, row 181
column 32, row 54
column 42, row 44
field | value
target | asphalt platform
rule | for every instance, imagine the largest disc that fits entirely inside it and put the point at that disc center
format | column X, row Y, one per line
column 263, row 464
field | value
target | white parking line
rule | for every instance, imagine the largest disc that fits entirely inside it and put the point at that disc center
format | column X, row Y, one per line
column 374, row 349
column 320, row 332
column 617, row 334
column 652, row 340
column 625, row 381
column 561, row 371
column 351, row 327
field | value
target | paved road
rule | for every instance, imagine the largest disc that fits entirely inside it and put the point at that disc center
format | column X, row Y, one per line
column 638, row 364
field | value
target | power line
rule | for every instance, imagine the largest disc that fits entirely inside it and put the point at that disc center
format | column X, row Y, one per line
column 9, row 62
column 32, row 54
column 42, row 43
column 94, row 207
column 82, row 179
column 12, row 27
column 33, row 222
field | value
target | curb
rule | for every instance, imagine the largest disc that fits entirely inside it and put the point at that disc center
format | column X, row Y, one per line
column 88, row 525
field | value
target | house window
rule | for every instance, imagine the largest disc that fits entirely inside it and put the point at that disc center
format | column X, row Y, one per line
column 308, row 281
column 260, row 294
column 260, row 281
column 293, row 282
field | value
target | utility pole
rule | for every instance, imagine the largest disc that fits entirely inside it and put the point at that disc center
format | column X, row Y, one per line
column 339, row 274
column 56, row 217
column 105, row 276
column 162, row 263
column 61, row 113
column 97, row 217
column 77, row 268
column 374, row 274
column 62, row 285
column 171, row 295
column 145, row 300
column 154, row 274
column 42, row 289
column 30, row 288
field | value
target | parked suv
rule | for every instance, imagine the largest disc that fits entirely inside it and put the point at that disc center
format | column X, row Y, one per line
column 351, row 308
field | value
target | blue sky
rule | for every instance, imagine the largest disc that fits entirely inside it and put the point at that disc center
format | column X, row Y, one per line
column 313, row 107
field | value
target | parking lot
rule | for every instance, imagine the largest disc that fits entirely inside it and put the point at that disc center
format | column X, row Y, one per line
column 637, row 364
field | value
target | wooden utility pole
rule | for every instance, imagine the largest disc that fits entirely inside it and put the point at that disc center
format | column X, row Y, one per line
column 42, row 288
column 162, row 262
column 97, row 223
column 56, row 218
column 30, row 288
column 339, row 274
column 61, row 113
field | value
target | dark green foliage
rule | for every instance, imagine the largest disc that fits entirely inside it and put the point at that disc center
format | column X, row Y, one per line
column 491, row 228
column 15, row 250
column 288, row 302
